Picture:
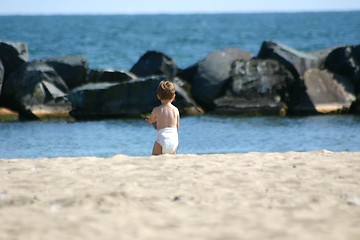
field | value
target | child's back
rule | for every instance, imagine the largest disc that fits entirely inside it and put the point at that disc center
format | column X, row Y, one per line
column 167, row 118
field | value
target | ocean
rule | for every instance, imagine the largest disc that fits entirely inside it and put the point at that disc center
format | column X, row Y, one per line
column 118, row 41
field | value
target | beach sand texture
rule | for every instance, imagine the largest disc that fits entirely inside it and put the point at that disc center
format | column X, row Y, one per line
column 293, row 195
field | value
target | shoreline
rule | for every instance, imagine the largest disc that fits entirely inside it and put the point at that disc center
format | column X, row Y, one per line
column 175, row 156
column 255, row 195
column 7, row 115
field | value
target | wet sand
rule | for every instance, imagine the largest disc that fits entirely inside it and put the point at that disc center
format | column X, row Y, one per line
column 309, row 195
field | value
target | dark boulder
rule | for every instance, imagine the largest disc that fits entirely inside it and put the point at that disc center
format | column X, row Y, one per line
column 72, row 69
column 2, row 71
column 33, row 85
column 12, row 55
column 183, row 100
column 98, row 75
column 295, row 61
column 21, row 48
column 130, row 98
column 256, row 87
column 155, row 63
column 188, row 74
column 212, row 75
column 355, row 107
column 230, row 105
column 96, row 100
column 346, row 61
column 324, row 92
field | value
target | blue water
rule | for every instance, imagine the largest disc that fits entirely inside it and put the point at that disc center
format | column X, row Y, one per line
column 118, row 42
column 198, row 135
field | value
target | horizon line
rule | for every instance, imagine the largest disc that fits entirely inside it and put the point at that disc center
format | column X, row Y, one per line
column 179, row 13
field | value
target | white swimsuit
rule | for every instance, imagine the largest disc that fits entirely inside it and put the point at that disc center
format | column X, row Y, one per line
column 168, row 139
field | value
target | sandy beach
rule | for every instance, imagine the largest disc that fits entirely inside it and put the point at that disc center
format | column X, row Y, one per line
column 293, row 195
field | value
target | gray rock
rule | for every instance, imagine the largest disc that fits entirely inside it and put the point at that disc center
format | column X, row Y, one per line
column 183, row 100
column 12, row 55
column 229, row 105
column 98, row 75
column 295, row 61
column 256, row 87
column 188, row 74
column 345, row 61
column 130, row 98
column 155, row 63
column 324, row 92
column 21, row 48
column 212, row 75
column 34, row 84
column 260, row 77
column 72, row 69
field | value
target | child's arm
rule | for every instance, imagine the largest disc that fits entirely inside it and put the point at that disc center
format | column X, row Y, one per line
column 178, row 120
column 152, row 119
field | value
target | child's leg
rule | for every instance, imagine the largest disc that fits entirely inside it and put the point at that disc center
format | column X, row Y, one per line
column 157, row 149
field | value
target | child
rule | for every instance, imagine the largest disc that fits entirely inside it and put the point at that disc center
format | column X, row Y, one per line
column 167, row 118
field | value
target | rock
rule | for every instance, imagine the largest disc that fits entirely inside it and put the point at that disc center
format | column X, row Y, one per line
column 184, row 102
column 325, row 92
column 253, row 77
column 295, row 61
column 103, row 100
column 355, row 107
column 256, row 87
column 212, row 75
column 97, row 75
column 72, row 69
column 12, row 55
column 155, row 63
column 33, row 85
column 322, row 55
column 230, row 105
column 345, row 61
column 130, row 98
column 188, row 74
column 21, row 48
column 2, row 71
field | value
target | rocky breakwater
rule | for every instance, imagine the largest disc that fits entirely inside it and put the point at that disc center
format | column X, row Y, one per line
column 66, row 87
column 280, row 80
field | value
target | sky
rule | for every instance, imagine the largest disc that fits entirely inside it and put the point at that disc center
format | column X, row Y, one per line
column 33, row 7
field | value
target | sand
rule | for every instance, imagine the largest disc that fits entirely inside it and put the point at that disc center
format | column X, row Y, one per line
column 309, row 195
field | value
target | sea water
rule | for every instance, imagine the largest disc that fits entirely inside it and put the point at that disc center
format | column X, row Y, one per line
column 197, row 135
column 118, row 41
